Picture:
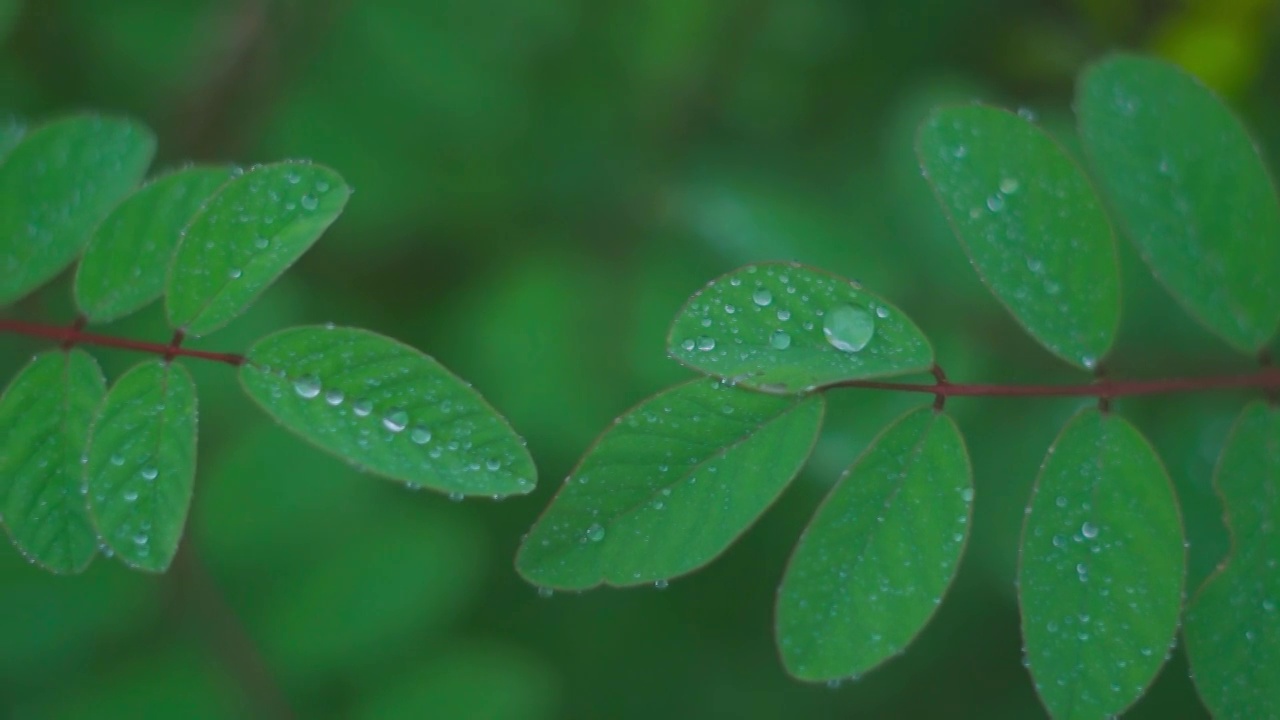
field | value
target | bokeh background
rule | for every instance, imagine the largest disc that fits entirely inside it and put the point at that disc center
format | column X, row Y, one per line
column 539, row 186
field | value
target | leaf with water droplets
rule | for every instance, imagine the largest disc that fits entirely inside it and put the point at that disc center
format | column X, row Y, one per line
column 670, row 486
column 56, row 185
column 787, row 328
column 44, row 421
column 123, row 267
column 1190, row 189
column 873, row 565
column 246, row 236
column 1031, row 223
column 1102, row 569
column 1233, row 623
column 388, row 409
column 12, row 129
column 142, row 463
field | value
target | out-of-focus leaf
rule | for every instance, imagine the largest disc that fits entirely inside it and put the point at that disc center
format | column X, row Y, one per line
column 142, row 463
column 386, row 408
column 1102, row 570
column 12, row 128
column 57, row 184
column 1233, row 623
column 1191, row 191
column 786, row 328
column 44, row 423
column 873, row 565
column 246, row 235
column 124, row 265
column 670, row 486
column 1031, row 223
column 459, row 684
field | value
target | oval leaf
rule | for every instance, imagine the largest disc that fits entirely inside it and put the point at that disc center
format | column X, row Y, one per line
column 786, row 328
column 1233, row 623
column 873, row 565
column 123, row 267
column 670, row 486
column 1031, row 224
column 1191, row 191
column 1102, row 569
column 142, row 464
column 56, row 185
column 248, row 233
column 44, row 422
column 387, row 409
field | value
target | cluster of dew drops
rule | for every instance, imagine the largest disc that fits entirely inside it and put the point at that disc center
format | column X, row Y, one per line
column 846, row 327
column 148, row 472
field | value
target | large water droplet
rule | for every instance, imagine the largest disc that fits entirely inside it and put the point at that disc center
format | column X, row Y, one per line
column 1089, row 530
column 706, row 343
column 688, row 344
column 595, row 533
column 762, row 297
column 362, row 407
column 307, row 386
column 420, row 435
column 848, row 328
column 779, row 340
column 396, row 420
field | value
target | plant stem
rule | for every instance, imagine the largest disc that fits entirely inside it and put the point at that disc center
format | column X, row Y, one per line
column 1267, row 378
column 74, row 335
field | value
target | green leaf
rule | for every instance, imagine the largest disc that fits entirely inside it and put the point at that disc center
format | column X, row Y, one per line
column 388, row 409
column 1233, row 622
column 55, row 186
column 873, row 565
column 1102, row 570
column 142, row 463
column 1031, row 223
column 787, row 328
column 12, row 130
column 1191, row 191
column 44, row 421
column 671, row 485
column 246, row 235
column 123, row 267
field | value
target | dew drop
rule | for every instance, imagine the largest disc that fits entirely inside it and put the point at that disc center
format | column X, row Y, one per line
column 309, row 202
column 395, row 421
column 848, row 328
column 456, row 496
column 140, row 539
column 762, row 297
column 130, row 495
column 1009, row 185
column 1089, row 530
column 995, row 203
column 784, row 315
column 660, row 584
column 882, row 312
column 779, row 340
column 967, row 494
column 545, row 592
column 117, row 460
column 706, row 343
column 595, row 533
column 362, row 407
column 149, row 472
column 493, row 464
column 234, row 273
column 420, row 435
column 307, row 386
column 688, row 344
column 334, row 397
column 261, row 242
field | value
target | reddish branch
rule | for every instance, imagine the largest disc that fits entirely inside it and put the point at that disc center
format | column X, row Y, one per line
column 69, row 337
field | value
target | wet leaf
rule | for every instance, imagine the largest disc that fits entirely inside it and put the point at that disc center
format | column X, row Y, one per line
column 873, row 565
column 1102, row 570
column 786, row 328
column 44, row 423
column 388, row 409
column 671, row 485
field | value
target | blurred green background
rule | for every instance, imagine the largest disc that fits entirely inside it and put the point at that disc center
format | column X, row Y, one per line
column 539, row 187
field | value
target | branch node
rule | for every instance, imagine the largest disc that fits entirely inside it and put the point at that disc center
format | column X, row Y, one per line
column 174, row 344
column 72, row 334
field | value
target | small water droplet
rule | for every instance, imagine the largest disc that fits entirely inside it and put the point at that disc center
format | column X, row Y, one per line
column 456, row 496
column 334, row 397
column 1061, row 501
column 395, row 421
column 140, row 539
column 420, row 435
column 779, row 340
column 362, row 407
column 130, row 495
column 117, row 460
column 762, row 297
column 882, row 312
column 967, row 494
column 995, row 203
column 1009, row 185
column 234, row 273
column 307, row 386
column 848, row 328
column 309, row 202
column 784, row 315
column 149, row 472
column 688, row 344
column 493, row 464
column 660, row 584
column 1089, row 530
column 261, row 242
column 545, row 592
column 706, row 343
column 595, row 533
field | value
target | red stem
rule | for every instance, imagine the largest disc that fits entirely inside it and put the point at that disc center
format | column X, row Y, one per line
column 74, row 335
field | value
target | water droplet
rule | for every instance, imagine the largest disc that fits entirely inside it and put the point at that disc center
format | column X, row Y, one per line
column 1269, row 605
column 1027, row 114
column 456, row 496
column 307, row 386
column 1061, row 501
column 493, row 464
column 660, row 584
column 1009, row 185
column 149, row 472
column 688, row 344
column 967, row 494
column 882, row 312
column 595, row 533
column 420, row 435
column 779, row 340
column 130, row 495
column 706, row 343
column 362, row 407
column 234, row 273
column 784, row 315
column 1089, row 530
column 848, row 328
column 117, row 460
column 995, row 203
column 395, row 421
column 309, row 202
column 959, row 151
column 261, row 242
column 334, row 397
column 762, row 297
